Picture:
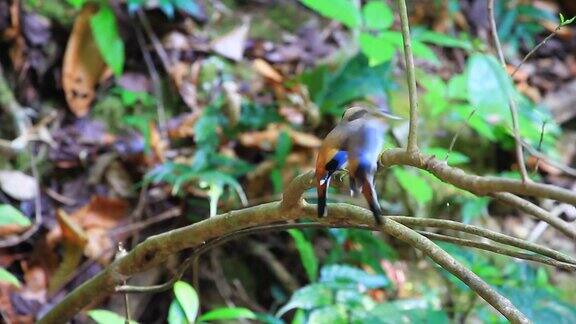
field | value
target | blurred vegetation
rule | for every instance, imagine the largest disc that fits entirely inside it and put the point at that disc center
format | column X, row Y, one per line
column 207, row 132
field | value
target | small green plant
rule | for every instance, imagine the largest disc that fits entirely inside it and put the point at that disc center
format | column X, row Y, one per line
column 185, row 308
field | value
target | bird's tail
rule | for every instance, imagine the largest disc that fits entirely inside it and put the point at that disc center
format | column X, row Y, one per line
column 321, row 188
column 369, row 193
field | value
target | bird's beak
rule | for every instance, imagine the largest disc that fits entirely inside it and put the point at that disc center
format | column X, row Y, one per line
column 385, row 116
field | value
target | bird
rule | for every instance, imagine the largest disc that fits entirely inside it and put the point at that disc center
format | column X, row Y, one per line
column 357, row 140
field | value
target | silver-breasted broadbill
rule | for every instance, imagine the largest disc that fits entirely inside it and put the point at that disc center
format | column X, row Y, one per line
column 357, row 140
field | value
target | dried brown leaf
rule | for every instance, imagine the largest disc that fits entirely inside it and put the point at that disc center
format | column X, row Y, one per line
column 83, row 66
column 232, row 44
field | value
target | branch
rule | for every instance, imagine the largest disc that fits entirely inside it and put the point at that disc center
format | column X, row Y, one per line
column 538, row 212
column 486, row 233
column 551, row 257
column 481, row 186
column 511, row 102
column 410, row 76
column 499, row 250
column 157, row 248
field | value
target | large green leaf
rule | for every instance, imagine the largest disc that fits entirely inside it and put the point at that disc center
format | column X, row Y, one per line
column 443, row 40
column 354, row 80
column 333, row 314
column 283, row 148
column 404, row 311
column 379, row 49
column 540, row 306
column 377, row 15
column 102, row 316
column 489, row 87
column 306, row 250
column 188, row 299
column 415, row 185
column 7, row 277
column 12, row 216
column 340, row 275
column 227, row 313
column 309, row 297
column 176, row 314
column 105, row 32
column 343, row 11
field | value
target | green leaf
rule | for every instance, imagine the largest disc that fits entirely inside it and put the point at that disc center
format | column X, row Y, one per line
column 443, row 40
column 377, row 15
column 283, row 148
column 343, row 11
column 423, row 51
column 190, row 7
column 105, row 32
column 306, row 250
column 415, row 185
column 176, row 314
column 299, row 317
column 333, row 314
column 7, row 277
column 435, row 96
column 378, row 49
column 77, row 3
column 539, row 305
column 102, row 316
column 347, row 276
column 476, row 122
column 13, row 216
column 355, row 79
column 228, row 313
column 188, row 299
column 406, row 311
column 458, row 87
column 311, row 296
column 455, row 158
column 277, row 181
column 474, row 208
column 489, row 88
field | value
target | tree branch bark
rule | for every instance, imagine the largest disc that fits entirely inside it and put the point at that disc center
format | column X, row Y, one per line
column 157, row 248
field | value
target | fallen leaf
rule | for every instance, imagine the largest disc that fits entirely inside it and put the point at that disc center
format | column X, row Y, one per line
column 266, row 70
column 18, row 185
column 266, row 139
column 101, row 212
column 233, row 102
column 232, row 44
column 83, row 66
column 185, row 77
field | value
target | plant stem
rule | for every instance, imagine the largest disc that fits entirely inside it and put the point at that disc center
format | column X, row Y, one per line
column 411, row 77
column 511, row 102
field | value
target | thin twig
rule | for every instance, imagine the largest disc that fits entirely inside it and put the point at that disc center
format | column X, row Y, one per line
column 541, row 156
column 120, row 253
column 410, row 76
column 537, row 212
column 540, row 146
column 499, row 250
column 535, row 49
column 455, row 138
column 157, row 84
column 511, row 102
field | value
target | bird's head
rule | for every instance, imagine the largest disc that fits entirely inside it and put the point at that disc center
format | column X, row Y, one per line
column 357, row 112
